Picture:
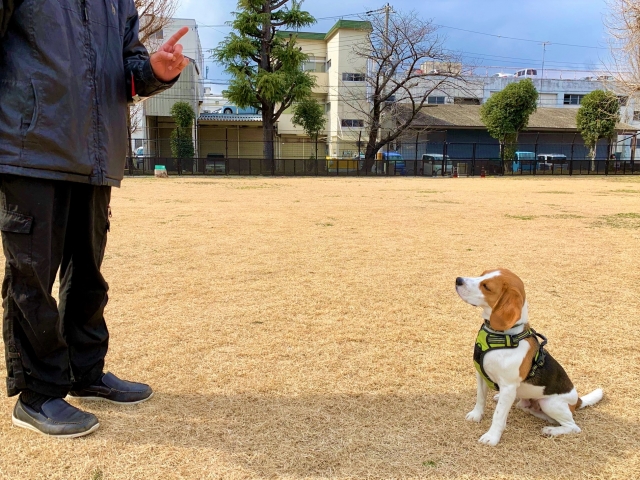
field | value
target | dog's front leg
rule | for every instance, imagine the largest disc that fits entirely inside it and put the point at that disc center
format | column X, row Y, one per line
column 505, row 401
column 477, row 413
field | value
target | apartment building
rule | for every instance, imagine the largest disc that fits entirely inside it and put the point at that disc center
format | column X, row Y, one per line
column 341, row 88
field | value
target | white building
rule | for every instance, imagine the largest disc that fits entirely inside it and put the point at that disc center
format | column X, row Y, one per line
column 153, row 119
column 340, row 74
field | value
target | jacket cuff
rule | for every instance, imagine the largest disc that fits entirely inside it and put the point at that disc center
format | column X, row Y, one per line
column 146, row 82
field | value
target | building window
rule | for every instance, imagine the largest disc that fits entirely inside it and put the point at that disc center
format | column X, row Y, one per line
column 573, row 99
column 328, row 64
column 327, row 107
column 317, row 65
column 435, row 100
column 352, row 123
column 159, row 35
column 623, row 100
column 353, row 77
column 636, row 116
column 137, row 143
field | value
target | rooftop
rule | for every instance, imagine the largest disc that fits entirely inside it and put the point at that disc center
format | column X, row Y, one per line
column 468, row 117
column 339, row 25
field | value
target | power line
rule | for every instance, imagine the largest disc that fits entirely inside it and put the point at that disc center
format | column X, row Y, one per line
column 447, row 27
column 520, row 39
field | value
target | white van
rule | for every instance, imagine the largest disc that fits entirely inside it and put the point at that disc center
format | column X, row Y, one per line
column 551, row 161
column 526, row 73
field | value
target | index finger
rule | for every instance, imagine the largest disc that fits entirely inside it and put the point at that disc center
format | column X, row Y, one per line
column 177, row 36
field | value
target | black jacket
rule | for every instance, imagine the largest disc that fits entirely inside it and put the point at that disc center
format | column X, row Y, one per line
column 65, row 84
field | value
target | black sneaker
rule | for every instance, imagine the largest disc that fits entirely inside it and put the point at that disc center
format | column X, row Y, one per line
column 56, row 418
column 114, row 390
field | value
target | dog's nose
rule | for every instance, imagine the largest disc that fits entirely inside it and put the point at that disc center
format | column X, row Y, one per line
column 459, row 281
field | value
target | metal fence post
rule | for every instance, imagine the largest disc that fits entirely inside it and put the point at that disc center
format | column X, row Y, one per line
column 415, row 166
column 444, row 158
column 473, row 160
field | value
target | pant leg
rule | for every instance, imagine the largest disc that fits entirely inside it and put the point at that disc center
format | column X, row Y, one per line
column 83, row 289
column 33, row 217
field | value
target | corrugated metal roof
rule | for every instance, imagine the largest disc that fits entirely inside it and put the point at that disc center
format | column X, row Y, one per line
column 225, row 117
column 468, row 116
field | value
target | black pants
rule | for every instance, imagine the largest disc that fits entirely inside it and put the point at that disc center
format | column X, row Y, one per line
column 49, row 225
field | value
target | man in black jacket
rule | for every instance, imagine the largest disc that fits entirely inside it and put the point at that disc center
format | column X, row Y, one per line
column 68, row 70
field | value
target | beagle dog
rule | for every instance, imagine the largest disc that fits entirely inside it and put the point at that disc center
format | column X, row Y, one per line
column 510, row 357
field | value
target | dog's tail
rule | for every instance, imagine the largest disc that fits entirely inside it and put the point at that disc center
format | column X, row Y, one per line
column 590, row 399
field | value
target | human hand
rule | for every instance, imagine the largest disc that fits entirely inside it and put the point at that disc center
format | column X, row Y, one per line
column 168, row 61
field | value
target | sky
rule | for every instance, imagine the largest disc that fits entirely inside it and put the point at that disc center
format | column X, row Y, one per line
column 476, row 29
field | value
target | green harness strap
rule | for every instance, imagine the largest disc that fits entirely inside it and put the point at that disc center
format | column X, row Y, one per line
column 488, row 340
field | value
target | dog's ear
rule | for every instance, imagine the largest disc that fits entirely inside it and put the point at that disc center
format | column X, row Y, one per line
column 507, row 310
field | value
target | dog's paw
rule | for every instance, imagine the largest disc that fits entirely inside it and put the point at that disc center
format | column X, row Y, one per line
column 562, row 430
column 490, row 439
column 474, row 416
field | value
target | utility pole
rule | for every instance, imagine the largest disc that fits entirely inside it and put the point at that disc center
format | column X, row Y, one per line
column 388, row 9
column 544, row 48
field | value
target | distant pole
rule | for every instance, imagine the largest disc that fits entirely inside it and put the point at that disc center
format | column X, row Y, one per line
column 544, row 48
column 388, row 9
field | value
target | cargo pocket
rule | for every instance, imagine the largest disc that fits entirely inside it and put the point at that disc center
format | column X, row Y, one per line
column 17, row 241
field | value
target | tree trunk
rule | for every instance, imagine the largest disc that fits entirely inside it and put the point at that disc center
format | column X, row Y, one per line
column 370, row 152
column 268, row 130
column 592, row 153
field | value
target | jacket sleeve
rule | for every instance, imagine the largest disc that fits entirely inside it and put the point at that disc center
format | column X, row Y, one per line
column 137, row 66
column 7, row 7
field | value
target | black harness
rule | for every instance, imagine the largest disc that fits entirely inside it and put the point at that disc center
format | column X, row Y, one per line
column 488, row 340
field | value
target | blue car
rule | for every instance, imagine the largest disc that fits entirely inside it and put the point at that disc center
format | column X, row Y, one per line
column 394, row 159
column 235, row 110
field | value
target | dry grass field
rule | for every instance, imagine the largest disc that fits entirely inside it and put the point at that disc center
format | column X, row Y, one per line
column 309, row 328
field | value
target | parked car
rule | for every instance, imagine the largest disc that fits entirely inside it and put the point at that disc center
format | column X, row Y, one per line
column 524, row 161
column 390, row 160
column 215, row 163
column 552, row 161
column 526, row 73
column 432, row 164
column 230, row 109
column 138, row 159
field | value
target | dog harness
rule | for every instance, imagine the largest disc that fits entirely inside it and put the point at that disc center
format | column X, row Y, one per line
column 488, row 340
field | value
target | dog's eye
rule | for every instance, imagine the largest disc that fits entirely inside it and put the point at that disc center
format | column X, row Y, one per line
column 484, row 285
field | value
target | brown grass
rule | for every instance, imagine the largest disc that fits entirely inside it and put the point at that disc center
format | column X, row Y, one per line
column 309, row 328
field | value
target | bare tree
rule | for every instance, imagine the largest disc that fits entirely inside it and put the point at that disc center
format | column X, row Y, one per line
column 154, row 15
column 397, row 89
column 623, row 24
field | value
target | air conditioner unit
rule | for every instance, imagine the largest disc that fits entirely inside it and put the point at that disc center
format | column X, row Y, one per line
column 449, row 100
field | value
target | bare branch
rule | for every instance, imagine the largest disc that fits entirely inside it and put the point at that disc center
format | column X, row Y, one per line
column 623, row 25
column 154, row 16
column 397, row 86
